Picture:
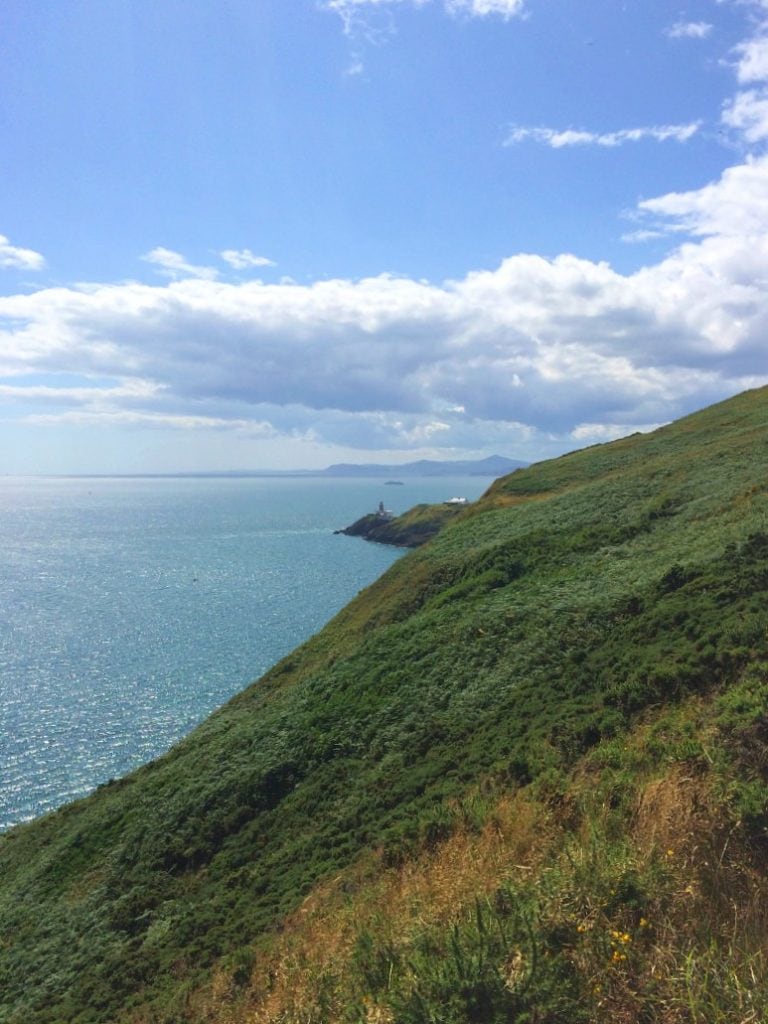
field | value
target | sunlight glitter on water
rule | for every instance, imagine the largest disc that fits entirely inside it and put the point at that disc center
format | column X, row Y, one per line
column 130, row 609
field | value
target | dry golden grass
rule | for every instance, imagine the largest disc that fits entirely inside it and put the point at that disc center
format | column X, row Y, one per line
column 294, row 980
column 699, row 956
column 694, row 953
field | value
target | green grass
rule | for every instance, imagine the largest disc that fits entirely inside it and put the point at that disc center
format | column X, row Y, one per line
column 577, row 595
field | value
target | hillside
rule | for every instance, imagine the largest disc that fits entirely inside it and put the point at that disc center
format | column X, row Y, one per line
column 522, row 777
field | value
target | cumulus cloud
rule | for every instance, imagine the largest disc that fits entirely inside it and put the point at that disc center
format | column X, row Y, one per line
column 689, row 30
column 752, row 64
column 174, row 265
column 735, row 206
column 244, row 259
column 535, row 348
column 532, row 352
column 13, row 257
column 561, row 138
column 747, row 113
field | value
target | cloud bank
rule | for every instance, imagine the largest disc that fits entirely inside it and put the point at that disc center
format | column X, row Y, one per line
column 532, row 356
column 536, row 348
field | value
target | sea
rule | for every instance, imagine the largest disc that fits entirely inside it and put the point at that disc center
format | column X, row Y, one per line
column 131, row 608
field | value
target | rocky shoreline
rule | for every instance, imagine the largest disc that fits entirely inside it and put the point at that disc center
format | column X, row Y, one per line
column 409, row 530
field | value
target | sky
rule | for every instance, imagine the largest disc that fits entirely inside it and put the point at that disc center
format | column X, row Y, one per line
column 246, row 234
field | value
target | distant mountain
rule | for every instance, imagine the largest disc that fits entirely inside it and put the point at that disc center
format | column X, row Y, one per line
column 494, row 465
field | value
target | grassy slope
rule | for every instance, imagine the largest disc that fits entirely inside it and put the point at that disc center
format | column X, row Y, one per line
column 579, row 597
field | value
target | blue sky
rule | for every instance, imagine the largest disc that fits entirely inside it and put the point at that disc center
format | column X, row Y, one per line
column 285, row 233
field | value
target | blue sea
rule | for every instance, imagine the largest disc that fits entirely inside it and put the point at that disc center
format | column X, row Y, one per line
column 131, row 608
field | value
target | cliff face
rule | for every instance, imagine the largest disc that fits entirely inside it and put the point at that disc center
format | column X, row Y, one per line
column 521, row 777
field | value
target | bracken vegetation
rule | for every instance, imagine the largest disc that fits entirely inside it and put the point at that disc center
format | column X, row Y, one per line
column 521, row 778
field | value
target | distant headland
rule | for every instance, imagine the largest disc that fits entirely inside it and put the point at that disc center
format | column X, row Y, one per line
column 409, row 530
column 493, row 466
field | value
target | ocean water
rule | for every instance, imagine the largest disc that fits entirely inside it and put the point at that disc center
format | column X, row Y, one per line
column 131, row 608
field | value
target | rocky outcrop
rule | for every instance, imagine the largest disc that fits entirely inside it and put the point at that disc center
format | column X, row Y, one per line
column 409, row 530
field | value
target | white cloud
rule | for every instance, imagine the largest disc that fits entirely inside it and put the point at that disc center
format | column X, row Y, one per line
column 372, row 22
column 174, row 265
column 752, row 65
column 128, row 389
column 531, row 350
column 13, row 257
column 747, row 113
column 641, row 235
column 123, row 418
column 244, row 259
column 560, row 138
column 735, row 206
column 689, row 30
column 511, row 358
column 481, row 8
column 534, row 352
column 353, row 14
